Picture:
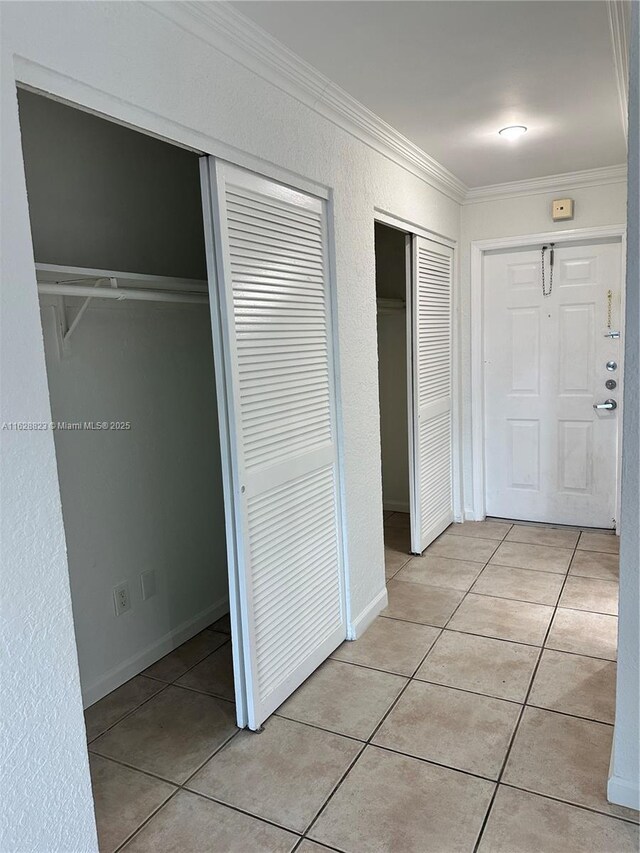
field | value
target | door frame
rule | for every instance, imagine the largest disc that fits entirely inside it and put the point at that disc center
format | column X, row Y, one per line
column 413, row 230
column 74, row 93
column 477, row 511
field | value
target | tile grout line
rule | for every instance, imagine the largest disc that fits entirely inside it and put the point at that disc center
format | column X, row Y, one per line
column 584, row 808
column 129, row 713
column 412, row 678
column 318, row 727
column 389, row 710
column 335, row 789
column 542, row 647
column 524, row 706
column 193, row 666
column 371, row 736
column 210, row 798
column 145, row 822
column 483, row 636
column 368, row 742
column 183, row 785
column 158, row 681
column 311, row 841
column 157, row 776
column 148, row 773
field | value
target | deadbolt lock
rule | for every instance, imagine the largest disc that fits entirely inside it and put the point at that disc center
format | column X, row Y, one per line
column 610, row 384
column 612, row 365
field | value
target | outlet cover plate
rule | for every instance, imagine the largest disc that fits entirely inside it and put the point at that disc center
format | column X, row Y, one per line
column 121, row 598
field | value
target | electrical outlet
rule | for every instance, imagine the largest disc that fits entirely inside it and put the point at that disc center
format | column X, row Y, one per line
column 148, row 584
column 121, row 598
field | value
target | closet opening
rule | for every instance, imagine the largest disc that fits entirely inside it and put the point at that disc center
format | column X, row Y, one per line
column 117, row 228
column 414, row 278
column 393, row 290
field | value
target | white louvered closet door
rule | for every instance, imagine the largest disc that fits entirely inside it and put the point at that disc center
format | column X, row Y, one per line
column 432, row 495
column 275, row 321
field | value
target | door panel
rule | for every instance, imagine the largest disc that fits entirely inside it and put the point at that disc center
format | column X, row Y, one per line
column 274, row 299
column 549, row 455
column 431, row 372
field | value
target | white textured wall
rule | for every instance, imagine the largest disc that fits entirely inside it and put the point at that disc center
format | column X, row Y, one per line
column 131, row 53
column 624, row 784
column 602, row 205
column 139, row 499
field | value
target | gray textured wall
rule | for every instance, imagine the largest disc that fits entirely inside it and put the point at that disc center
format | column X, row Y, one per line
column 624, row 784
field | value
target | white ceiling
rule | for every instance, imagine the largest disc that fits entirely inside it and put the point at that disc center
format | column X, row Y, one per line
column 449, row 75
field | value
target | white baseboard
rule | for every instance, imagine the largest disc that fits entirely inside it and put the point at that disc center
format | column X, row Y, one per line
column 622, row 792
column 395, row 506
column 366, row 617
column 134, row 665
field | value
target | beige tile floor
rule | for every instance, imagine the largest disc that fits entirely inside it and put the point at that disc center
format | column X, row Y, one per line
column 475, row 714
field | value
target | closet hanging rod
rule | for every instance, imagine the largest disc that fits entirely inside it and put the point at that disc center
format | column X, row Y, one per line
column 121, row 293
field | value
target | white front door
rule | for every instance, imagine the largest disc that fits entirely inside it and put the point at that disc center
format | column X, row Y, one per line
column 549, row 455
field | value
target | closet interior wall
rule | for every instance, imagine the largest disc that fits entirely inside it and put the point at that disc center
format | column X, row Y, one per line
column 148, row 498
column 391, row 272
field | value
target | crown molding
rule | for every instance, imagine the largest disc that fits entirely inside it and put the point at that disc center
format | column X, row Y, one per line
column 548, row 184
column 619, row 26
column 235, row 35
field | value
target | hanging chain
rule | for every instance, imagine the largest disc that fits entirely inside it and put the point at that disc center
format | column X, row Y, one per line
column 609, row 301
column 551, row 259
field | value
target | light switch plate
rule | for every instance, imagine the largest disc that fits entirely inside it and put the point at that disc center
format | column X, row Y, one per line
column 148, row 584
column 562, row 208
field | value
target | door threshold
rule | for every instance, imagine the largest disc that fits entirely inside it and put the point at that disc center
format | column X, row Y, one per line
column 549, row 524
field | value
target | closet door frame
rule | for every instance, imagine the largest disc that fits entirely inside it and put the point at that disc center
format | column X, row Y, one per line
column 413, row 230
column 226, row 388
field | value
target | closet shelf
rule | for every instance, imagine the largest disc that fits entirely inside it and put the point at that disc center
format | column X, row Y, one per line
column 56, row 280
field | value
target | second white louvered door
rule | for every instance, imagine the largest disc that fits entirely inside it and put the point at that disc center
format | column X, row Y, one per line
column 431, row 384
column 274, row 304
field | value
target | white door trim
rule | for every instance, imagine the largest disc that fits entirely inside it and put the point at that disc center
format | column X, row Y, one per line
column 477, row 511
column 412, row 229
column 404, row 225
column 75, row 93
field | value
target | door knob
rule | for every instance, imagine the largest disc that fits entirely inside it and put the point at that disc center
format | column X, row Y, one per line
column 608, row 404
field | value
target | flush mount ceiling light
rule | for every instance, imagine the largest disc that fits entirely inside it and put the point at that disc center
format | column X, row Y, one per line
column 513, row 131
